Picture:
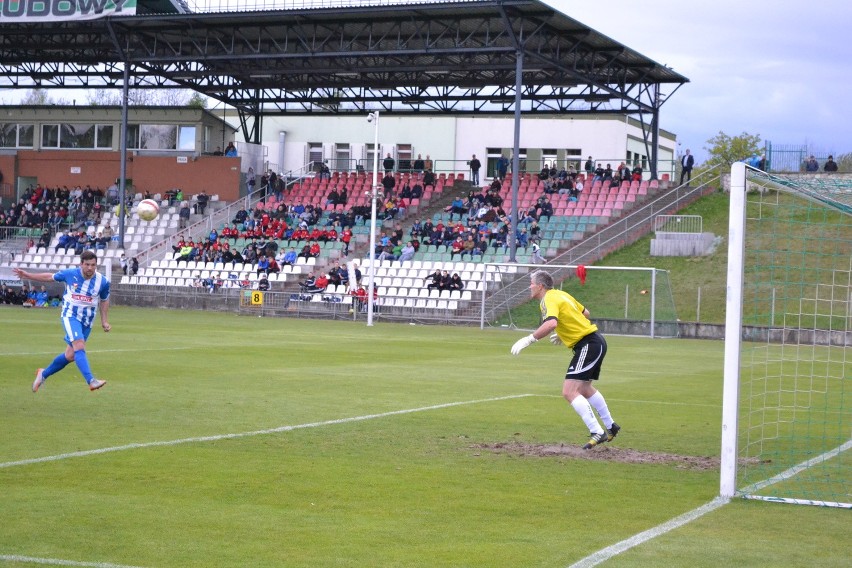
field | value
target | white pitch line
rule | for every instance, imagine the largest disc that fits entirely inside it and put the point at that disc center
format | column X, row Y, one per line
column 252, row 433
column 54, row 352
column 606, row 553
column 58, row 562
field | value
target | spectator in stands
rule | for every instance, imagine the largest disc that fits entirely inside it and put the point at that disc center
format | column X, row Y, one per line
column 122, row 262
column 419, row 165
column 407, row 252
column 240, row 216
column 263, row 283
column 687, row 161
column 183, row 214
column 522, row 237
column 315, row 249
column 63, row 242
column 262, row 264
column 332, row 197
column 388, row 163
column 456, row 283
column 811, row 164
column 428, row 179
column 456, row 247
column 201, row 201
column 536, row 257
column 445, row 280
column 469, row 247
column 134, row 266
column 623, row 173
column 589, row 167
column 830, row 165
column 388, row 183
column 502, row 167
column 434, row 280
column 475, row 166
column 457, row 207
column 231, row 150
column 637, row 173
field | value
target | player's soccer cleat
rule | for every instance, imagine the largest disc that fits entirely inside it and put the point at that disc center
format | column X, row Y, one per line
column 96, row 384
column 594, row 440
column 612, row 432
column 39, row 380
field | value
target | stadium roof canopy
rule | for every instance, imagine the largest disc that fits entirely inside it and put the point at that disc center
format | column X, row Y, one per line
column 469, row 56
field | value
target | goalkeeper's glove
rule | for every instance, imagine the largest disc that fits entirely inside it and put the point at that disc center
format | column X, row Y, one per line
column 522, row 344
column 554, row 339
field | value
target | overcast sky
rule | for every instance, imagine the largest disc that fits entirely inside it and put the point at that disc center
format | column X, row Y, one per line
column 779, row 69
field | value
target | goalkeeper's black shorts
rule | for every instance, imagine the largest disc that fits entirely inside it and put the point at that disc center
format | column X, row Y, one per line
column 588, row 358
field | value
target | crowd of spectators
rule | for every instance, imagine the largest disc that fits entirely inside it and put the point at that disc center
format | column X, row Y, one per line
column 27, row 296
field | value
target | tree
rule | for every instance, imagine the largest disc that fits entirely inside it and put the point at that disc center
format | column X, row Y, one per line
column 148, row 97
column 197, row 100
column 725, row 150
column 844, row 162
column 37, row 96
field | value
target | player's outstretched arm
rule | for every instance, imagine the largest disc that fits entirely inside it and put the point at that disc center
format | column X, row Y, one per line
column 104, row 310
column 36, row 276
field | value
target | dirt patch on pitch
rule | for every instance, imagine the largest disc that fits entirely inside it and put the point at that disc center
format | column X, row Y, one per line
column 601, row 453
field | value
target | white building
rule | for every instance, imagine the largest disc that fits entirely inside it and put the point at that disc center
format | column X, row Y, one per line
column 346, row 141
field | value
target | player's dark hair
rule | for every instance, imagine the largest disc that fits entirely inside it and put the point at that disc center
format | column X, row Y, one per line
column 87, row 255
column 542, row 278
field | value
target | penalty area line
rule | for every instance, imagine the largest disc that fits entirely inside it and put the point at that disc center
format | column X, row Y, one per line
column 232, row 436
column 609, row 552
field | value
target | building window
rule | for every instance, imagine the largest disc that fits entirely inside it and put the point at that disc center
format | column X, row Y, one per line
column 548, row 158
column 103, row 137
column 132, row 136
column 315, row 155
column 157, row 137
column 492, row 155
column 403, row 157
column 50, row 136
column 186, row 138
column 573, row 157
column 370, row 156
column 341, row 158
column 16, row 135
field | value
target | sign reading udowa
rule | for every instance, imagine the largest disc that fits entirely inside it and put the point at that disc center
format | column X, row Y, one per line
column 19, row 11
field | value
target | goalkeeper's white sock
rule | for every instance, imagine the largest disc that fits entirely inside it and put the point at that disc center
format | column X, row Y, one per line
column 584, row 409
column 597, row 400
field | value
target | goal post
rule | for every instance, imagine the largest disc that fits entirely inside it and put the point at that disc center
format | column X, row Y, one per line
column 786, row 430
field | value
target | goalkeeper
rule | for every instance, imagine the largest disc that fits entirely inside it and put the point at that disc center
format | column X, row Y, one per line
column 567, row 322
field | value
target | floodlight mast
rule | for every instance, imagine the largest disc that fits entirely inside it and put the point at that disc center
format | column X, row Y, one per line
column 374, row 194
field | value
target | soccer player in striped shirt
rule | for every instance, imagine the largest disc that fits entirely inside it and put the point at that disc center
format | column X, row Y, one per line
column 568, row 322
column 85, row 291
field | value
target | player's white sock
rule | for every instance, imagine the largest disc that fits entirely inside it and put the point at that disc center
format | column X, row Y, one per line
column 584, row 409
column 597, row 400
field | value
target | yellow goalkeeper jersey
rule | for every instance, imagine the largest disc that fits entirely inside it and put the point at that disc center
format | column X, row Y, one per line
column 571, row 324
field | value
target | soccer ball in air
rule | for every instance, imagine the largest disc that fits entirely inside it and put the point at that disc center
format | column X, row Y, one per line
column 148, row 210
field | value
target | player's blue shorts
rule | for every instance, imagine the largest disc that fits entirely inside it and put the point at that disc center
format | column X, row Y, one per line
column 588, row 358
column 75, row 330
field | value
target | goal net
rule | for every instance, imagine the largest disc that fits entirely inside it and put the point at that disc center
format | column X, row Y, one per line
column 622, row 300
column 786, row 430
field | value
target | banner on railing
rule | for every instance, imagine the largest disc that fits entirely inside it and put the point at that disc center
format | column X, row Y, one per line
column 21, row 11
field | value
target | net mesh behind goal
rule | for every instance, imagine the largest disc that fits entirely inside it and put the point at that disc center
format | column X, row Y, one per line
column 794, row 427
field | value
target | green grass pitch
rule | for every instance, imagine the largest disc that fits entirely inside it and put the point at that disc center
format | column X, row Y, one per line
column 364, row 446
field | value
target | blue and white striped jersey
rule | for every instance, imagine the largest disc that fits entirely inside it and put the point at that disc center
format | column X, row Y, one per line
column 82, row 296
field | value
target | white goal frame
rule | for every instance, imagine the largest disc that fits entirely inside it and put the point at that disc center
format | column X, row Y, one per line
column 732, row 365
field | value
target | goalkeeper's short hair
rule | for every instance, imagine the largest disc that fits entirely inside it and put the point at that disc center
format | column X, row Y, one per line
column 542, row 278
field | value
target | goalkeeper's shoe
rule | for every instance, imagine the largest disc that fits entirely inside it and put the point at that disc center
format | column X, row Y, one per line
column 39, row 380
column 612, row 432
column 96, row 384
column 594, row 440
